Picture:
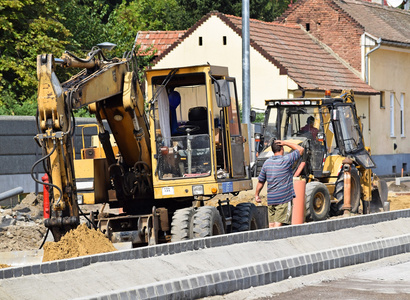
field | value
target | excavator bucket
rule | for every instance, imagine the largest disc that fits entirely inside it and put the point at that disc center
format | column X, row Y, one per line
column 379, row 197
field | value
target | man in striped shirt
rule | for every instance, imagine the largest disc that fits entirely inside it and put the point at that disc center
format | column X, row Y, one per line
column 277, row 171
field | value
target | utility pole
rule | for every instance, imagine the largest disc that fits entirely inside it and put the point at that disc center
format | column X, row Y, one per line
column 246, row 87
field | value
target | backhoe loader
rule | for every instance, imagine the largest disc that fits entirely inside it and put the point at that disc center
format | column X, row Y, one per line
column 176, row 148
column 330, row 131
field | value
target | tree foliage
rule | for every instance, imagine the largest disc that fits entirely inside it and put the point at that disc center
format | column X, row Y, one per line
column 32, row 27
column 133, row 16
column 27, row 28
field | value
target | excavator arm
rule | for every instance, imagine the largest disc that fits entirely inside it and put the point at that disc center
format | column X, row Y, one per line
column 111, row 91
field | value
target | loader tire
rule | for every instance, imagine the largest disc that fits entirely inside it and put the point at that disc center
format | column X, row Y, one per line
column 245, row 217
column 317, row 201
column 207, row 222
column 182, row 224
column 355, row 193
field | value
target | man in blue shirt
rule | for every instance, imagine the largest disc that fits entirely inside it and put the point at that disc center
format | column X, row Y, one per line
column 277, row 171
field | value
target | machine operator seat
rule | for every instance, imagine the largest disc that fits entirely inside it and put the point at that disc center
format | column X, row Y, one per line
column 198, row 116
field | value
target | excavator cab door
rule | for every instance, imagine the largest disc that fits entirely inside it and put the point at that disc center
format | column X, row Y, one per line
column 349, row 134
column 234, row 141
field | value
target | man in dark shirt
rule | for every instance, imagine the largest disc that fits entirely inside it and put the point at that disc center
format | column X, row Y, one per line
column 277, row 171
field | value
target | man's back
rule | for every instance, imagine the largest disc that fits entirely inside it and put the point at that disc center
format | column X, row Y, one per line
column 277, row 172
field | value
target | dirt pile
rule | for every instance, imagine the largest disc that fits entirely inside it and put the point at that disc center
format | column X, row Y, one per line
column 78, row 242
column 21, row 227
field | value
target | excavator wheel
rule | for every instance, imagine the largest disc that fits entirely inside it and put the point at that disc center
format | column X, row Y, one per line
column 182, row 224
column 317, row 201
column 354, row 195
column 207, row 222
column 245, row 217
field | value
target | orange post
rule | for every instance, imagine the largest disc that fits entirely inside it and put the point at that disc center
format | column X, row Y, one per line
column 347, row 179
column 46, row 198
column 298, row 209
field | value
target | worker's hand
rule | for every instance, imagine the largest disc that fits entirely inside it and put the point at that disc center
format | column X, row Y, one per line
column 280, row 142
column 258, row 199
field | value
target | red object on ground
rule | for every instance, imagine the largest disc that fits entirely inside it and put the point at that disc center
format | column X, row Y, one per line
column 46, row 198
column 298, row 208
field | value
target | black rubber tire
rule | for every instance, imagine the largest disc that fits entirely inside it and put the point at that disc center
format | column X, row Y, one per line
column 245, row 217
column 355, row 194
column 317, row 200
column 207, row 222
column 182, row 224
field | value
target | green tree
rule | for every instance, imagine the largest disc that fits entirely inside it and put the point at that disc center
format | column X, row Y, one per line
column 86, row 20
column 265, row 10
column 27, row 28
column 133, row 16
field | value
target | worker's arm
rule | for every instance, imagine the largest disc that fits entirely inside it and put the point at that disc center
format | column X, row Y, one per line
column 259, row 187
column 291, row 145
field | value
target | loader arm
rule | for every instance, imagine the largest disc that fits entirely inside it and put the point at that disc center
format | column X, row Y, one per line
column 112, row 93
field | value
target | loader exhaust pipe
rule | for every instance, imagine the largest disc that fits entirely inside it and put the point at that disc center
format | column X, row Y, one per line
column 347, row 180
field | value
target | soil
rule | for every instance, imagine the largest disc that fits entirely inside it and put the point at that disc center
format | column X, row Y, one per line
column 78, row 242
column 22, row 228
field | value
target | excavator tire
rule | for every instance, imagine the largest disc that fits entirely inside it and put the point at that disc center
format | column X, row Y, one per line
column 354, row 195
column 207, row 222
column 182, row 224
column 245, row 217
column 317, row 201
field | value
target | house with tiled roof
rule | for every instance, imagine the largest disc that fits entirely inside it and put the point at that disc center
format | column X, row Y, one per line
column 374, row 40
column 156, row 42
column 285, row 60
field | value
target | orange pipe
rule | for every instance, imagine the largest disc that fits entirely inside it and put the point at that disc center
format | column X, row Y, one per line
column 299, row 169
column 347, row 178
column 298, row 208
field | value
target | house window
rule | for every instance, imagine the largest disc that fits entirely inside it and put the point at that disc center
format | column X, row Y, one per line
column 382, row 100
column 224, row 40
column 307, row 26
column 200, row 41
column 402, row 115
column 391, row 114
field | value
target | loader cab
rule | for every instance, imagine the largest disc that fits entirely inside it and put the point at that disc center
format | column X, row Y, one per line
column 304, row 125
column 196, row 129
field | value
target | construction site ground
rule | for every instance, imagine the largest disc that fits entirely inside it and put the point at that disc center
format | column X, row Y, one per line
column 22, row 230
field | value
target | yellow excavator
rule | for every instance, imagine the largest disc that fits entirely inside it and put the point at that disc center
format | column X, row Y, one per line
column 175, row 150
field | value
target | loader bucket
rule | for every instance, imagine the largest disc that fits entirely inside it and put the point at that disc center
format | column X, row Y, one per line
column 379, row 197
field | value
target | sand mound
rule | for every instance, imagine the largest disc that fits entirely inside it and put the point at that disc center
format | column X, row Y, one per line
column 4, row 266
column 78, row 242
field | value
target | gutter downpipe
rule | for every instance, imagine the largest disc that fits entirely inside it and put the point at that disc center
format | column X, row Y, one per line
column 379, row 42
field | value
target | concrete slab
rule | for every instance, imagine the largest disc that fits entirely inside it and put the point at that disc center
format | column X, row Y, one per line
column 223, row 268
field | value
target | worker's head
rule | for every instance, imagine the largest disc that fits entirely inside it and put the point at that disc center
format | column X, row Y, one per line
column 276, row 148
column 310, row 120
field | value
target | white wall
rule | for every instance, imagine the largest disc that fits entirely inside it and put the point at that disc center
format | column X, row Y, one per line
column 390, row 72
column 266, row 83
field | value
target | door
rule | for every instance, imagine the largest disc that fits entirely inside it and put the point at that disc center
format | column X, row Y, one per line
column 236, row 140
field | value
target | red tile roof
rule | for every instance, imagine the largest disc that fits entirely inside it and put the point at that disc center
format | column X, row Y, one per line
column 387, row 23
column 307, row 63
column 159, row 40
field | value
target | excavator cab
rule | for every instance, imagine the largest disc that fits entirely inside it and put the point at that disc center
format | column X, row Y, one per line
column 198, row 142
